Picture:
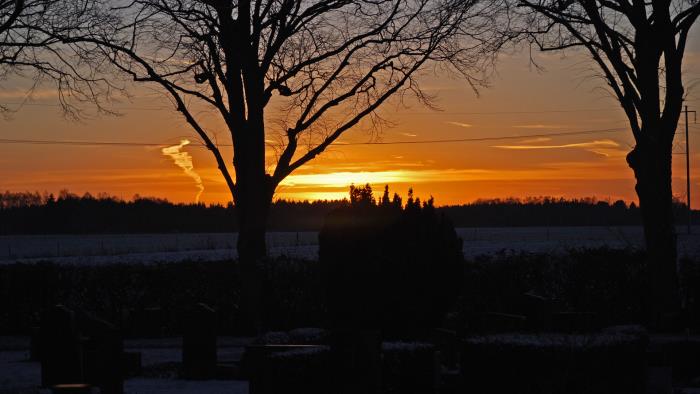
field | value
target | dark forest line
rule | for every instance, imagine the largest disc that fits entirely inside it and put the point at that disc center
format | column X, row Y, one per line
column 68, row 213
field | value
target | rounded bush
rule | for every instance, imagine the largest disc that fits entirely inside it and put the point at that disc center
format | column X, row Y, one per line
column 389, row 266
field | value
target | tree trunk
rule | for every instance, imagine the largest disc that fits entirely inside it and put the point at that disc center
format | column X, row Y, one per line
column 252, row 207
column 253, row 197
column 651, row 163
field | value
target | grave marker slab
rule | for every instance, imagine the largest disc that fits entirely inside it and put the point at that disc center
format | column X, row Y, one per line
column 61, row 352
column 199, row 343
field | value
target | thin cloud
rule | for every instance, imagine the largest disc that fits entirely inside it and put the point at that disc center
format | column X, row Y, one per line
column 610, row 152
column 460, row 124
column 21, row 94
column 184, row 161
column 584, row 145
column 409, row 134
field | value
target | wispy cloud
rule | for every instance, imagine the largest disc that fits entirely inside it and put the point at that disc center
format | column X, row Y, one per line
column 585, row 145
column 610, row 152
column 22, row 94
column 184, row 161
column 409, row 134
column 460, row 124
column 538, row 126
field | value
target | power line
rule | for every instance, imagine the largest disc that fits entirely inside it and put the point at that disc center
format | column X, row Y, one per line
column 131, row 108
column 339, row 143
column 687, row 163
column 200, row 145
column 546, row 111
column 483, row 139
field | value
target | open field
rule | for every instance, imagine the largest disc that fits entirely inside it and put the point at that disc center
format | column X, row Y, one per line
column 140, row 248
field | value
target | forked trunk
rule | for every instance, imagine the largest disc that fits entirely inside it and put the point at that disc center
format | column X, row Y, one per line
column 652, row 168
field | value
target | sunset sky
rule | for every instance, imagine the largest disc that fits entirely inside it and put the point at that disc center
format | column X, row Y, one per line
column 521, row 101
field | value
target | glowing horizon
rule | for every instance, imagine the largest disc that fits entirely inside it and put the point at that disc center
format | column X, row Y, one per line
column 521, row 103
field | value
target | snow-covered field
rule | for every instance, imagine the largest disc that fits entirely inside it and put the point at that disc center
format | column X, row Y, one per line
column 150, row 248
column 19, row 375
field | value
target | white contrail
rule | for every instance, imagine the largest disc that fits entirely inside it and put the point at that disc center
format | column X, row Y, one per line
column 184, row 161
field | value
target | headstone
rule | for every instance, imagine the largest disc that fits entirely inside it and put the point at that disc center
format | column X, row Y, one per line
column 102, row 354
column 538, row 310
column 356, row 361
column 131, row 363
column 659, row 372
column 199, row 343
column 34, row 346
column 61, row 353
column 409, row 368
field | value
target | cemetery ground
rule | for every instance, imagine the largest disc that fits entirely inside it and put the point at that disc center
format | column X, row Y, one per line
column 160, row 358
column 523, row 323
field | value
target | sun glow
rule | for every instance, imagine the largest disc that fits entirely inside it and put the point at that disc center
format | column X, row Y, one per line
column 343, row 179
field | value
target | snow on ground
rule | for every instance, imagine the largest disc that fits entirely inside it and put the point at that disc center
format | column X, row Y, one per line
column 18, row 375
column 162, row 386
column 166, row 248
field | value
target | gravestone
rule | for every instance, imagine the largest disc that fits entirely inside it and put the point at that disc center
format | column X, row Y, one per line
column 659, row 371
column 132, row 364
column 538, row 310
column 356, row 360
column 34, row 346
column 60, row 344
column 102, row 354
column 199, row 343
column 410, row 368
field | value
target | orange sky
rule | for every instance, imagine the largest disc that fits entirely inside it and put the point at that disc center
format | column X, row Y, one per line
column 519, row 102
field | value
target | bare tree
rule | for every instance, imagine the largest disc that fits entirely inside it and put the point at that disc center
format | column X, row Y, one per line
column 639, row 48
column 29, row 48
column 10, row 10
column 328, row 65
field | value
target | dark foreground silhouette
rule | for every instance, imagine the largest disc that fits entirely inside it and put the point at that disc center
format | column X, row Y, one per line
column 395, row 310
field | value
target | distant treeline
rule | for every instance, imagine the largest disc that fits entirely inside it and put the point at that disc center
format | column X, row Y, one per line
column 68, row 213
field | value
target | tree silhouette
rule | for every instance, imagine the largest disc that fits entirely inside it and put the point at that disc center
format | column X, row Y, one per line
column 639, row 47
column 327, row 65
column 10, row 11
column 28, row 42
